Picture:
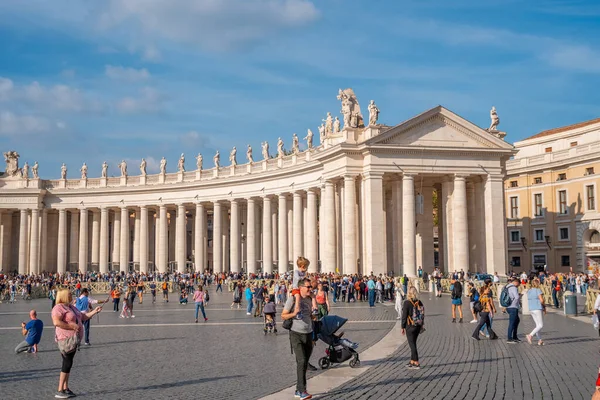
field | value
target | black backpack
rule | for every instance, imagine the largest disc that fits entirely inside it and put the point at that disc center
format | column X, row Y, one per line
column 456, row 291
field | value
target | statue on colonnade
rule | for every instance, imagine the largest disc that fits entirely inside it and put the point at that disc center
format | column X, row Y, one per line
column 232, row 157
column 163, row 166
column 84, row 170
column 123, row 166
column 309, row 138
column 63, row 171
column 181, row 163
column 495, row 119
column 25, row 171
column 143, row 167
column 199, row 162
column 295, row 144
column 104, row 169
column 217, row 160
column 12, row 163
column 249, row 155
column 350, row 109
column 280, row 152
column 373, row 113
column 34, row 170
column 265, row 150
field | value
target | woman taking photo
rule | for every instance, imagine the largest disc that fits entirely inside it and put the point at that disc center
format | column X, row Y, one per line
column 413, row 324
column 536, row 308
column 68, row 321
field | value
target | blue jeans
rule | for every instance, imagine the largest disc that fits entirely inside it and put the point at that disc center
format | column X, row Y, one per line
column 86, row 330
column 200, row 306
column 371, row 297
column 555, row 298
column 250, row 305
column 219, row 286
column 513, row 322
column 584, row 287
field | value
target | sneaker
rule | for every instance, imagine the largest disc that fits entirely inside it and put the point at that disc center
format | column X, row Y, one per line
column 87, row 344
column 305, row 396
column 61, row 395
column 297, row 394
column 474, row 338
column 248, row 313
column 205, row 319
column 528, row 338
column 196, row 320
column 511, row 341
column 121, row 316
column 481, row 333
column 473, row 321
column 416, row 366
column 409, row 366
column 517, row 340
column 133, row 316
column 69, row 393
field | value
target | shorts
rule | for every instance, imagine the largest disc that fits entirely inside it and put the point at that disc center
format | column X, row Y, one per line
column 295, row 292
column 471, row 304
column 457, row 302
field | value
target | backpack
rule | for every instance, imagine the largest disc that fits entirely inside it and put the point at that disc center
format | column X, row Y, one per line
column 418, row 314
column 477, row 307
column 287, row 323
column 456, row 291
column 505, row 300
column 476, row 297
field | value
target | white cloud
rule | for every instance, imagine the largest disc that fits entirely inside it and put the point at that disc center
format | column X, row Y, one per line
column 68, row 73
column 148, row 101
column 151, row 53
column 575, row 57
column 193, row 139
column 11, row 124
column 6, row 87
column 126, row 74
column 212, row 24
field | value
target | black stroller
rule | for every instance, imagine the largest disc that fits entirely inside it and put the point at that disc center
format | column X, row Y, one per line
column 339, row 349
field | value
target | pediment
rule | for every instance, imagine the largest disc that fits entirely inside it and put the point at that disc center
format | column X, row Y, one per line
column 439, row 127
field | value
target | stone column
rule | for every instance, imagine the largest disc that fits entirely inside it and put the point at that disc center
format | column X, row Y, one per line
column 251, row 237
column 374, row 236
column 397, row 225
column 217, row 237
column 200, row 221
column 459, row 224
column 330, row 237
column 180, row 244
column 234, row 258
column 61, row 256
column 116, row 239
column 321, row 230
column 124, row 253
column 350, row 225
column 225, row 232
column 74, row 238
column 103, row 256
column 298, row 249
column 95, row 237
column 162, row 238
column 83, row 240
column 275, row 233
column 143, row 239
column 409, row 225
column 311, row 230
column 473, row 217
column 34, row 248
column 171, row 249
column 495, row 225
column 43, row 240
column 283, row 230
column 267, row 240
column 136, row 237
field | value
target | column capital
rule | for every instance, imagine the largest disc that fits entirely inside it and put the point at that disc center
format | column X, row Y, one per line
column 372, row 175
column 408, row 176
column 459, row 177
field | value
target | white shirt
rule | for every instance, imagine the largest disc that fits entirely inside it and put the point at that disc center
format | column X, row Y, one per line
column 496, row 279
column 597, row 303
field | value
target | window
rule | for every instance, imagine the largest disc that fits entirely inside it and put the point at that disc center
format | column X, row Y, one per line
column 514, row 207
column 562, row 202
column 563, row 233
column 537, row 200
column 537, row 180
column 591, row 199
column 539, row 235
column 514, row 184
column 515, row 236
column 539, row 260
column 565, row 261
column 548, row 150
column 573, row 144
column 562, row 177
column 515, row 262
column 589, row 171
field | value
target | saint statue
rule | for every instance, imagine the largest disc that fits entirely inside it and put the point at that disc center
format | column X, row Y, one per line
column 280, row 153
column 322, row 133
column 63, row 171
column 199, row 162
column 163, row 166
column 308, row 138
column 217, row 159
column 249, row 155
column 265, row 150
column 123, row 167
column 104, row 169
column 12, row 163
column 336, row 125
column 25, row 171
column 295, row 144
column 34, row 170
column 373, row 113
column 350, row 109
column 83, row 170
column 495, row 120
column 181, row 163
column 232, row 158
column 143, row 167
column 328, row 124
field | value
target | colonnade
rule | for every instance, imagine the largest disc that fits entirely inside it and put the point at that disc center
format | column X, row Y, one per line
column 369, row 222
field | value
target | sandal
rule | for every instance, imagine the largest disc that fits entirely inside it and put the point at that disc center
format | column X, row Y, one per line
column 541, row 343
column 528, row 338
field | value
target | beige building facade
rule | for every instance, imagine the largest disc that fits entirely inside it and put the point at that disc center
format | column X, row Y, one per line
column 553, row 215
column 361, row 200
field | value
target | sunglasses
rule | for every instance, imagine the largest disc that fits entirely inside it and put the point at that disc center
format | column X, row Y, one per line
column 308, row 286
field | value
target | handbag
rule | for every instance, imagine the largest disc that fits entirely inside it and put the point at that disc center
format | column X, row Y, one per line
column 71, row 343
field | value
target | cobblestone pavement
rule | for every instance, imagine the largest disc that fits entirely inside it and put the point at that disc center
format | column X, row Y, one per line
column 163, row 354
column 456, row 367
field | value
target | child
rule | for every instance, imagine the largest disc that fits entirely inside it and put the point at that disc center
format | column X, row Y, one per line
column 269, row 311
column 300, row 273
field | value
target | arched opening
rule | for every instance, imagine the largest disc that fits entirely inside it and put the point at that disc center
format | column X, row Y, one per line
column 595, row 237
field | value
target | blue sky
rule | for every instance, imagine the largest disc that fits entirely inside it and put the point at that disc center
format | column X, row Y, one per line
column 126, row 79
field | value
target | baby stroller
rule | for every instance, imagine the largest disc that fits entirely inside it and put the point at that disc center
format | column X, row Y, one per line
column 269, row 318
column 339, row 349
